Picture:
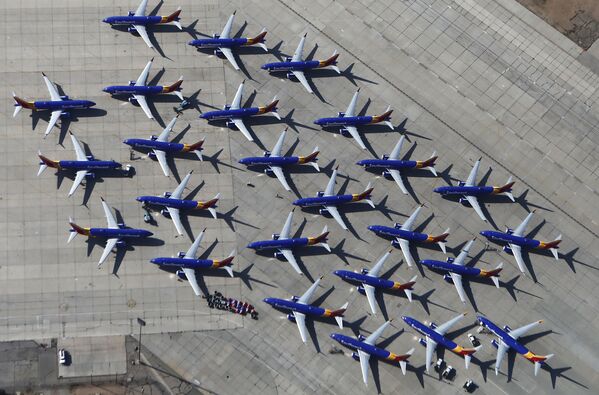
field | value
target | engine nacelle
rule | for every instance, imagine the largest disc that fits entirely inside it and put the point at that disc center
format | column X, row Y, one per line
column 181, row 275
column 231, row 124
column 361, row 289
column 495, row 343
column 448, row 278
column 65, row 97
column 509, row 231
column 132, row 29
column 450, row 260
column 90, row 176
column 291, row 317
column 288, row 59
column 275, row 236
column 167, row 194
column 121, row 244
column 290, row 76
column 218, row 52
column 320, row 194
column 181, row 254
column 165, row 213
column 131, row 13
column 355, row 356
column 131, row 83
column 387, row 174
column 461, row 183
column 226, row 107
column 464, row 202
column 215, row 35
column 65, row 114
column 152, row 155
column 266, row 154
column 90, row 157
column 507, row 329
column 385, row 157
column 344, row 132
column 323, row 211
column 432, row 325
column 395, row 243
column 361, row 338
column 340, row 114
column 153, row 137
column 278, row 255
column 121, row 225
column 507, row 249
column 132, row 100
column 422, row 341
column 364, row 271
column 268, row 171
column 294, row 298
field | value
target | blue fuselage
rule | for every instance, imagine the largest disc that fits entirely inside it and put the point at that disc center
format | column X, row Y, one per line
column 88, row 164
column 133, row 20
column 154, row 144
column 503, row 335
column 360, row 345
column 284, row 304
column 398, row 233
column 270, row 160
column 120, row 233
column 388, row 163
column 133, row 90
column 184, row 263
column 219, row 42
column 323, row 200
column 291, row 66
column 364, row 279
column 168, row 202
column 506, row 238
column 230, row 114
column 63, row 105
column 428, row 332
column 450, row 267
column 344, row 121
column 281, row 244
column 465, row 190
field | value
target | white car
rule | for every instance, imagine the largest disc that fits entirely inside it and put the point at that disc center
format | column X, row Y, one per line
column 62, row 356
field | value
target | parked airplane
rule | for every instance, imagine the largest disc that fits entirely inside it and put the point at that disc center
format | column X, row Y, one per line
column 469, row 191
column 173, row 203
column 234, row 114
column 508, row 338
column 58, row 105
column 349, row 121
column 224, row 43
column 370, row 281
column 393, row 166
column 138, row 21
column 514, row 241
column 329, row 201
column 456, row 268
column 189, row 265
column 115, row 234
column 138, row 90
column 284, row 244
column 366, row 348
column 275, row 163
column 83, row 167
column 295, row 66
column 300, row 307
column 435, row 335
column 159, row 146
column 403, row 234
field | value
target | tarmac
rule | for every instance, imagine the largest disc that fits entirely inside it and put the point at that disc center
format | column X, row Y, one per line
column 466, row 79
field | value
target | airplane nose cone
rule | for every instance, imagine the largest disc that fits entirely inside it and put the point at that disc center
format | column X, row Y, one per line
column 296, row 202
column 263, row 67
column 154, row 260
column 484, row 233
column 268, row 300
column 337, row 273
column 105, row 90
column 438, row 190
column 148, row 233
column 252, row 245
column 126, row 142
column 105, row 20
column 372, row 228
column 333, row 336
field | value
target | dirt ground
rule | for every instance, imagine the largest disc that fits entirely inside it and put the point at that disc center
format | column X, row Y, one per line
column 577, row 19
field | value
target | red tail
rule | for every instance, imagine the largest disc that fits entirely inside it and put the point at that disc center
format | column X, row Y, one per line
column 207, row 204
column 467, row 351
column 550, row 244
column 364, row 194
column 23, row 103
column 174, row 87
column 226, row 261
column 382, row 117
column 505, row 188
column 436, row 239
column 48, row 162
column 258, row 39
column 309, row 158
column 172, row 17
column 491, row 273
column 271, row 107
column 79, row 229
column 338, row 313
column 193, row 147
column 427, row 163
column 329, row 61
column 318, row 239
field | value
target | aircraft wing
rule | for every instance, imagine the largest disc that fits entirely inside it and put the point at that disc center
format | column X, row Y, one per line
column 305, row 298
column 78, row 149
column 335, row 214
column 443, row 328
column 397, row 177
column 77, row 181
column 230, row 57
column 110, row 244
column 141, row 99
column 226, row 33
column 54, row 95
column 52, row 122
column 501, row 351
column 236, row 104
column 330, row 189
column 364, row 365
column 405, row 249
column 287, row 227
column 431, row 346
column 517, row 253
column 143, row 77
column 300, row 320
column 193, row 250
column 476, row 206
column 241, row 126
column 143, row 33
column 161, row 156
column 374, row 272
column 409, row 224
column 394, row 155
column 288, row 254
column 519, row 231
column 516, row 333
column 301, row 77
column 276, row 151
column 181, row 187
column 109, row 217
column 278, row 171
column 164, row 135
column 191, row 279
column 297, row 56
column 472, row 177
column 141, row 10
column 354, row 133
column 370, row 295
column 176, row 217
column 463, row 254
column 457, row 282
column 351, row 108
column 376, row 334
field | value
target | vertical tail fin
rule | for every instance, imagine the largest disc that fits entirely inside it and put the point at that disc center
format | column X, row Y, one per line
column 195, row 148
column 440, row 240
column 259, row 39
column 174, row 88
column 506, row 189
column 387, row 119
column 338, row 314
column 367, row 192
column 272, row 108
column 429, row 164
column 211, row 204
column 311, row 159
column 321, row 239
column 332, row 61
column 403, row 364
column 226, row 263
column 539, row 360
column 174, row 17
column 408, row 288
column 76, row 229
column 20, row 104
column 553, row 246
